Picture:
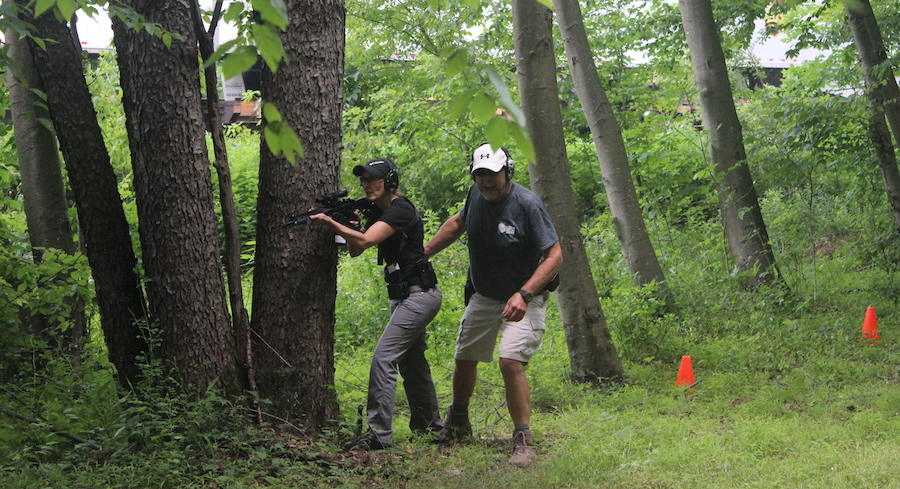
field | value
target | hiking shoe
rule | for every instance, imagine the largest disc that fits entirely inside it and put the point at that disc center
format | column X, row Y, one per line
column 366, row 443
column 456, row 427
column 524, row 452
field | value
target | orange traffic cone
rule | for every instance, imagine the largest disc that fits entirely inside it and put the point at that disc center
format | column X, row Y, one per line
column 870, row 327
column 685, row 373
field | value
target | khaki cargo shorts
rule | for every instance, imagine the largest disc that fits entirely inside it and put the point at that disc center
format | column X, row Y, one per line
column 483, row 321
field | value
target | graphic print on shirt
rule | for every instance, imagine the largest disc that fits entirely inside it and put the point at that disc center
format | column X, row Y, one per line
column 506, row 228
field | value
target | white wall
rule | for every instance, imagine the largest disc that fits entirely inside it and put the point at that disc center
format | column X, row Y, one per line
column 96, row 33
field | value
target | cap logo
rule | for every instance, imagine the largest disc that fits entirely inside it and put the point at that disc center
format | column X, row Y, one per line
column 484, row 155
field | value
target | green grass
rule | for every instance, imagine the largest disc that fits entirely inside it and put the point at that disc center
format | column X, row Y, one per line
column 789, row 397
column 821, row 424
column 803, row 404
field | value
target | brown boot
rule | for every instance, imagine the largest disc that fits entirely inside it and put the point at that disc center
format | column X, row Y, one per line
column 523, row 449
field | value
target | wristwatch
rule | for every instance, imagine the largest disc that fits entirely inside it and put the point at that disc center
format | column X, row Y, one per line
column 526, row 295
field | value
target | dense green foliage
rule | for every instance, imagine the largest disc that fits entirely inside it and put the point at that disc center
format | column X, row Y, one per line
column 789, row 394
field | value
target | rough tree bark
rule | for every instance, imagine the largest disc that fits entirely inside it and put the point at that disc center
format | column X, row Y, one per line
column 239, row 317
column 173, row 189
column 623, row 200
column 106, row 238
column 295, row 281
column 745, row 230
column 592, row 354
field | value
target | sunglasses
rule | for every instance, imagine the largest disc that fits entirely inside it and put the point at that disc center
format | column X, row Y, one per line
column 369, row 179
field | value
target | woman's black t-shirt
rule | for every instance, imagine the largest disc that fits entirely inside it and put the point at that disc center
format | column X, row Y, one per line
column 405, row 246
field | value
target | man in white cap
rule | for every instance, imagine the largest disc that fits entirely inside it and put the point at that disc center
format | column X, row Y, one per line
column 514, row 254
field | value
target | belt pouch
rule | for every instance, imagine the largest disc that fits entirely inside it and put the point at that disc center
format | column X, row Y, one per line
column 427, row 277
column 398, row 289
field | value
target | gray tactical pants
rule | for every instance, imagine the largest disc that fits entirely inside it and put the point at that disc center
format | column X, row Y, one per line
column 402, row 348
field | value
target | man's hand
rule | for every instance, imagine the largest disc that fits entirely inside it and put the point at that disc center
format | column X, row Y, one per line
column 515, row 308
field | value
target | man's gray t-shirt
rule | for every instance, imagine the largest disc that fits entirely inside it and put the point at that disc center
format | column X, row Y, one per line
column 506, row 240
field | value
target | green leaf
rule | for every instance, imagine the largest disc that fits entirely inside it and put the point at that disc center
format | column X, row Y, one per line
column 87, row 8
column 483, row 107
column 272, row 139
column 241, row 60
column 43, row 6
column 40, row 42
column 523, row 141
column 546, row 3
column 290, row 144
column 46, row 123
column 446, row 51
column 66, row 8
column 221, row 52
column 167, row 39
column 456, row 62
column 505, row 97
column 460, row 104
column 40, row 93
column 497, row 131
column 272, row 11
column 234, row 12
column 472, row 3
column 281, row 139
column 269, row 45
column 271, row 113
column 281, row 7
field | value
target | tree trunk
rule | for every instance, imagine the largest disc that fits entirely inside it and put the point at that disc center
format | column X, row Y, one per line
column 43, row 190
column 173, row 188
column 623, row 200
column 882, row 94
column 295, row 277
column 745, row 230
column 592, row 354
column 239, row 317
column 106, row 238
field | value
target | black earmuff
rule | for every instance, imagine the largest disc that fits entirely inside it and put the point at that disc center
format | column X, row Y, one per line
column 510, row 165
column 392, row 179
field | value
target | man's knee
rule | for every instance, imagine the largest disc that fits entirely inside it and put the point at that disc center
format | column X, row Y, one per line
column 466, row 366
column 509, row 366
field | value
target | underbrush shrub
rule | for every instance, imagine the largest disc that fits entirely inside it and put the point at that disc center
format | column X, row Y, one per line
column 154, row 435
column 638, row 329
column 884, row 253
column 242, row 145
column 362, row 307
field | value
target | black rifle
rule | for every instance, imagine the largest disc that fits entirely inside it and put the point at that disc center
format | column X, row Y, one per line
column 337, row 207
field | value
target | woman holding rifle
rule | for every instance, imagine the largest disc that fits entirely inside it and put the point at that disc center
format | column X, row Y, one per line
column 397, row 230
